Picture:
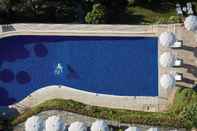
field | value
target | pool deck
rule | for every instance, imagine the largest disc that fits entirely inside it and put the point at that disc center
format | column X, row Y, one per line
column 188, row 53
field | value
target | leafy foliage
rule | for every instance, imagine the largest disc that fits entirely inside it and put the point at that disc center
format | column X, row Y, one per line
column 97, row 15
column 75, row 11
column 40, row 10
column 116, row 10
column 189, row 113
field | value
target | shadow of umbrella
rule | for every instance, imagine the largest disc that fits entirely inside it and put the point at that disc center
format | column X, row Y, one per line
column 191, row 69
column 188, row 81
column 191, row 49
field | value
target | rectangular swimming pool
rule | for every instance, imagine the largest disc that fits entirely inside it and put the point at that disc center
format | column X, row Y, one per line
column 123, row 66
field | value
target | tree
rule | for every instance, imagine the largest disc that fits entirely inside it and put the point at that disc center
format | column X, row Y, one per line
column 48, row 11
column 97, row 15
column 8, row 9
column 116, row 10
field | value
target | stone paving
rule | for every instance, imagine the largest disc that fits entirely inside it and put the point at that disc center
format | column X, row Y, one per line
column 188, row 53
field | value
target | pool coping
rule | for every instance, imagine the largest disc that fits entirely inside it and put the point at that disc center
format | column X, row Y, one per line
column 77, row 30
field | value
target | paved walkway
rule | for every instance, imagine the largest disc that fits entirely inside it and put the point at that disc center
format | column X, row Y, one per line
column 47, row 93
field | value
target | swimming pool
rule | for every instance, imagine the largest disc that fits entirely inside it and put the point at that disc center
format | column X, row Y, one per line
column 123, row 66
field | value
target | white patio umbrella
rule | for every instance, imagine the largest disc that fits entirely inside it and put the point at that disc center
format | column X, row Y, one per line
column 191, row 23
column 99, row 125
column 167, row 59
column 34, row 123
column 133, row 129
column 167, row 81
column 55, row 123
column 77, row 126
column 167, row 39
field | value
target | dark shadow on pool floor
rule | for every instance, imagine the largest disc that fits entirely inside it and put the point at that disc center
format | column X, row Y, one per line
column 23, row 77
column 40, row 50
column 6, row 76
column 0, row 64
column 10, row 52
column 4, row 98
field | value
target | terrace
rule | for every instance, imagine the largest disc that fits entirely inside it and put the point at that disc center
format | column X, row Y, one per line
column 141, row 103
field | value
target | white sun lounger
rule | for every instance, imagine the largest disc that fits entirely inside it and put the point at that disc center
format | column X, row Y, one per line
column 178, row 9
column 189, row 8
column 177, row 44
column 178, row 63
column 178, row 77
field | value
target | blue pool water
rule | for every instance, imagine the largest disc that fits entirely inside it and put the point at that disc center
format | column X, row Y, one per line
column 124, row 66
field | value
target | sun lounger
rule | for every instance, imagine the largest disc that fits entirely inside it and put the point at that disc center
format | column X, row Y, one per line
column 189, row 8
column 178, row 77
column 178, row 63
column 178, row 9
column 177, row 44
column 184, row 9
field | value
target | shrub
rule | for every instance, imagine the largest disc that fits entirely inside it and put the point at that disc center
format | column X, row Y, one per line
column 4, row 124
column 97, row 15
column 189, row 113
column 116, row 10
column 168, row 20
column 174, row 19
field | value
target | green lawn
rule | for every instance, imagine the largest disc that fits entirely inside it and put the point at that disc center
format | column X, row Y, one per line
column 145, row 15
column 140, row 15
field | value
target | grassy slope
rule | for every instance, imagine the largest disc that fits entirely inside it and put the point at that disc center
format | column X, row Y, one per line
column 184, row 98
column 163, row 119
column 172, row 118
column 140, row 15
